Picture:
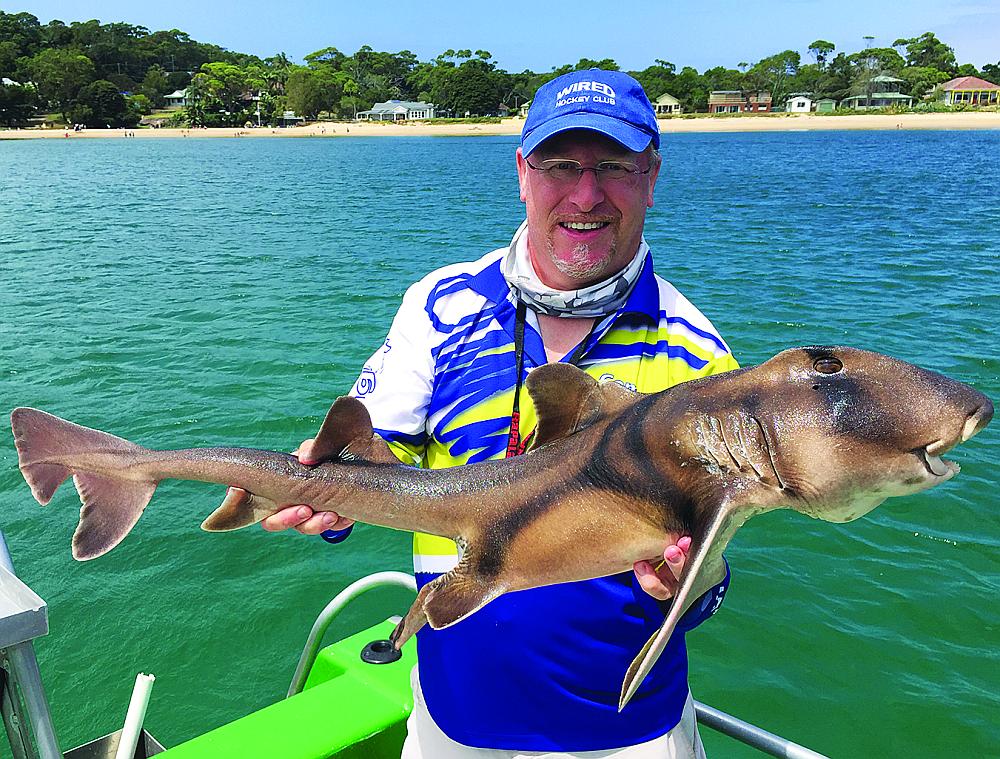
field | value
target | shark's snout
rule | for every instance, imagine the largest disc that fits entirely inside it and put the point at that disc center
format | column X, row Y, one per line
column 977, row 420
column 971, row 427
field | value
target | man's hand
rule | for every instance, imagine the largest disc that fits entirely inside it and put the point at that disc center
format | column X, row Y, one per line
column 301, row 517
column 661, row 581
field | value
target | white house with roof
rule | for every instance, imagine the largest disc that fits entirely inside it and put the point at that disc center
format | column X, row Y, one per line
column 398, row 110
column 667, row 105
column 176, row 99
column 799, row 104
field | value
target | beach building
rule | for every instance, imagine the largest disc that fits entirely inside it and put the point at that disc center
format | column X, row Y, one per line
column 799, row 104
column 289, row 119
column 176, row 99
column 398, row 110
column 738, row 101
column 667, row 105
column 523, row 110
column 826, row 105
column 883, row 92
column 969, row 90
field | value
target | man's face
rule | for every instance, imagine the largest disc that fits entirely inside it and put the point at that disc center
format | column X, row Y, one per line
column 568, row 258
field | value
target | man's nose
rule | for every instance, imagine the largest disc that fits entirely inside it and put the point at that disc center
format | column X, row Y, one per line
column 587, row 191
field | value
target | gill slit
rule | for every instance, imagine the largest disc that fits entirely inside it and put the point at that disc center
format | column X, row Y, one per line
column 767, row 450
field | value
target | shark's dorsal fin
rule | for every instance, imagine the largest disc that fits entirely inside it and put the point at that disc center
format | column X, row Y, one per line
column 346, row 421
column 567, row 400
column 347, row 433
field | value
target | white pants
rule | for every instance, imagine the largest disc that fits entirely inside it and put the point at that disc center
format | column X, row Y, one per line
column 425, row 740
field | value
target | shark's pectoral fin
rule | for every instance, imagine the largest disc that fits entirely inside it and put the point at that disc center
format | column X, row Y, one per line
column 701, row 572
column 567, row 400
column 448, row 599
column 240, row 508
column 456, row 598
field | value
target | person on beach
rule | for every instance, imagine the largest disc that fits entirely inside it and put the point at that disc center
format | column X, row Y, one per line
column 538, row 672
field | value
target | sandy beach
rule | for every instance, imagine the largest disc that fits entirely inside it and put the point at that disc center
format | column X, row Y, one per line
column 761, row 123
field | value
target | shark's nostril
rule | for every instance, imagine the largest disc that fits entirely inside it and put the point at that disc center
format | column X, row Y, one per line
column 977, row 420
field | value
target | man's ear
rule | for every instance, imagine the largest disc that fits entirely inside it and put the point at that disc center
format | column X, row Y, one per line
column 656, row 160
column 522, row 175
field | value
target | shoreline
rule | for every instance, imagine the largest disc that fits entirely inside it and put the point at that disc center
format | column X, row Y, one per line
column 966, row 120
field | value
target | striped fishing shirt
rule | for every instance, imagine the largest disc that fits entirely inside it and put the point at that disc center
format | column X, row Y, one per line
column 540, row 669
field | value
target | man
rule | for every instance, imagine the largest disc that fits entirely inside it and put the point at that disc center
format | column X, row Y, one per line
column 540, row 670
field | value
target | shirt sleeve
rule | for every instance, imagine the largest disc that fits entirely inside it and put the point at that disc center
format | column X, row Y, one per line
column 396, row 382
column 705, row 606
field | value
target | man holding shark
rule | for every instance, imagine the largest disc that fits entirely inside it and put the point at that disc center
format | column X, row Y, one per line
column 538, row 672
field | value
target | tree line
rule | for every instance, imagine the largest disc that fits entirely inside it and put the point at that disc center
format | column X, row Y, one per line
column 113, row 74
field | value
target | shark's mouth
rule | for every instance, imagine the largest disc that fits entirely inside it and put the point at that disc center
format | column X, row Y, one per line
column 936, row 465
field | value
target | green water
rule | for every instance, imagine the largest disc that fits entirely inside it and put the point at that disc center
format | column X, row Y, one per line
column 204, row 292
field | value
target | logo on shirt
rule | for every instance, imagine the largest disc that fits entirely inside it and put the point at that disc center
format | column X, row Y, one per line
column 611, row 378
column 585, row 92
column 365, row 383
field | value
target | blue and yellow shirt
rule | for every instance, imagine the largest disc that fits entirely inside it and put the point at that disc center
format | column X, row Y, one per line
column 540, row 669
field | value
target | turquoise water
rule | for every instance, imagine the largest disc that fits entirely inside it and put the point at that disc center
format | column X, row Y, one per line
column 204, row 292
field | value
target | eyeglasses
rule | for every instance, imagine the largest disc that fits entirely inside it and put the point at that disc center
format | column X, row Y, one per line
column 565, row 170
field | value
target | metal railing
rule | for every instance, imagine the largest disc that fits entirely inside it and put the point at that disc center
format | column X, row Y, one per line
column 709, row 716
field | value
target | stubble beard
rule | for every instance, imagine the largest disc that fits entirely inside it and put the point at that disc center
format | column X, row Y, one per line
column 580, row 266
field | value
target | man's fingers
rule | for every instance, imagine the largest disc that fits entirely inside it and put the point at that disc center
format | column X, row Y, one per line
column 292, row 516
column 650, row 581
column 324, row 520
column 674, row 558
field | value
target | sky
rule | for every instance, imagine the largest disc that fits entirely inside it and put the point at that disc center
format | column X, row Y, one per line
column 539, row 35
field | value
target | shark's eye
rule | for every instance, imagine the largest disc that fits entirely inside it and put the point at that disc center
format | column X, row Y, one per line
column 828, row 365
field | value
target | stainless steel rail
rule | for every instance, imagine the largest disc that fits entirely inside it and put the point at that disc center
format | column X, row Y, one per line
column 332, row 609
column 751, row 735
column 728, row 725
column 24, row 618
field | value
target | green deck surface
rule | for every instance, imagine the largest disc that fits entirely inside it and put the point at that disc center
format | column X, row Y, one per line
column 348, row 709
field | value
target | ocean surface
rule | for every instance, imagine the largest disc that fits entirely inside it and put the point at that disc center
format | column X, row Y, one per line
column 192, row 292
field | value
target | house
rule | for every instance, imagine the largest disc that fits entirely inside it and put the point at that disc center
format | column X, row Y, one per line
column 667, row 105
column 397, row 110
column 969, row 90
column 881, row 92
column 826, row 105
column 799, row 104
column 289, row 119
column 522, row 112
column 176, row 99
column 738, row 101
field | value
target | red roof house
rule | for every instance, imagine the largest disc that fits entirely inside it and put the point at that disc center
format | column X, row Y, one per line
column 970, row 90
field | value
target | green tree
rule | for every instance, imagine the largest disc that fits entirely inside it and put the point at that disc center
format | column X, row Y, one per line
column 991, row 72
column 928, row 50
column 657, row 79
column 18, row 103
column 309, row 91
column 138, row 106
column 220, row 94
column 59, row 75
column 101, row 104
column 967, row 69
column 772, row 74
column 20, row 37
column 821, row 50
column 920, row 80
column 155, row 85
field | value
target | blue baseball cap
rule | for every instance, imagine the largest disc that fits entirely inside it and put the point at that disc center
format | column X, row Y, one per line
column 609, row 102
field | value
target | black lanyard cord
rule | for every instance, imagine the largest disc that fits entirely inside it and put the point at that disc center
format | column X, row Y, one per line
column 515, row 445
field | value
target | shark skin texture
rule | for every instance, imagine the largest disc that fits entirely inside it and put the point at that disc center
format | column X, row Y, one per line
column 613, row 476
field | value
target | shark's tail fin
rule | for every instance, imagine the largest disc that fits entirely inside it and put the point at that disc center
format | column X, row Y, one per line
column 50, row 449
